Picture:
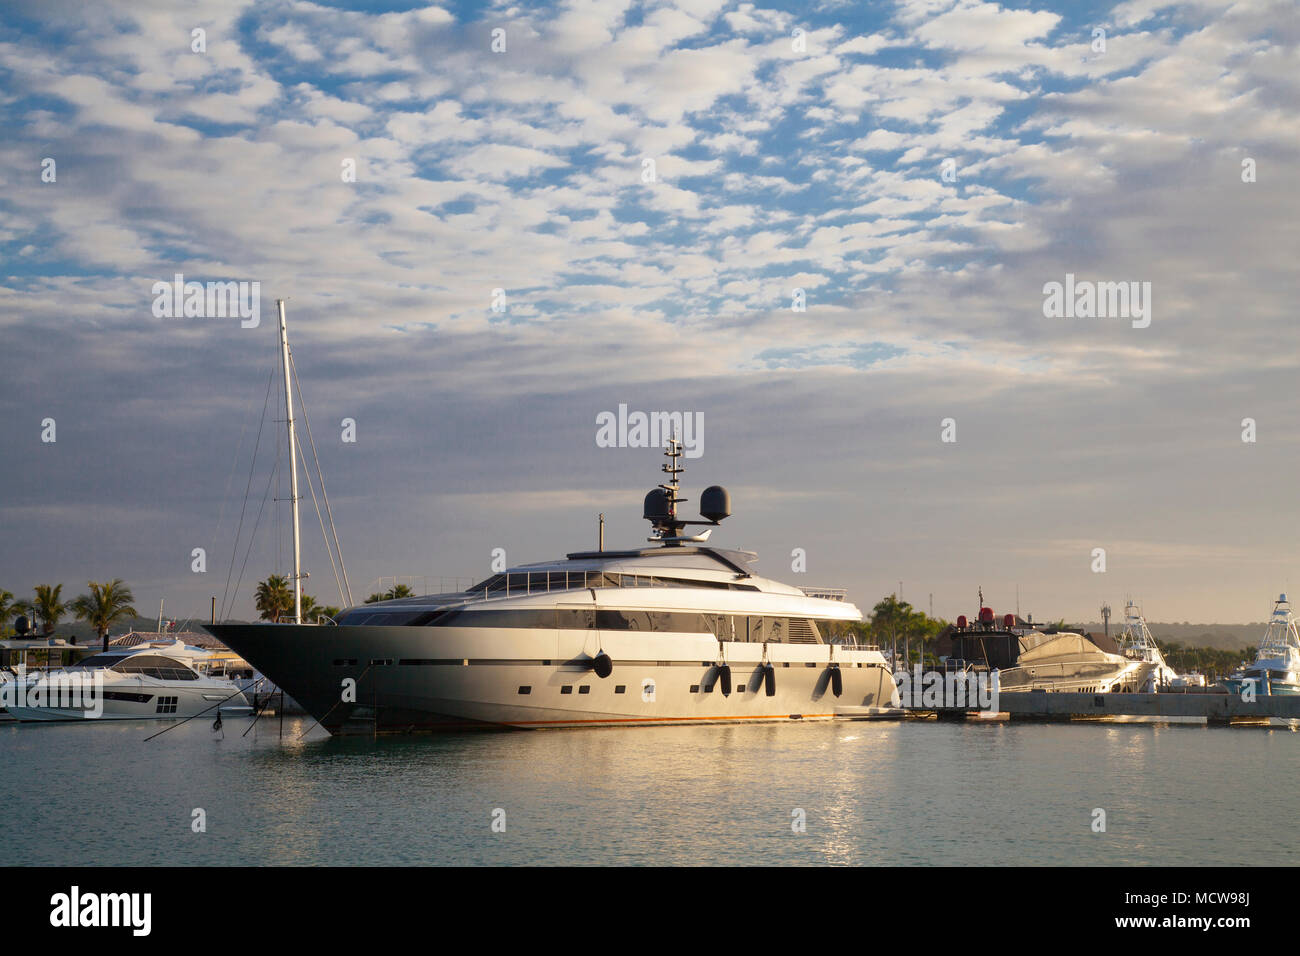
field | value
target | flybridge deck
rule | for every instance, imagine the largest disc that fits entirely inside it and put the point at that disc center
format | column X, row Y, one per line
column 675, row 577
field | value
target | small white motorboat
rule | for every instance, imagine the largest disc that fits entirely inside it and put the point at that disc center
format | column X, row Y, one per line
column 154, row 681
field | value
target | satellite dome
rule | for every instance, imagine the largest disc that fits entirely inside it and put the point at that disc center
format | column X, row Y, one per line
column 715, row 503
column 656, row 505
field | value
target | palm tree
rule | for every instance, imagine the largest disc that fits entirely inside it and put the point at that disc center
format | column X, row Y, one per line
column 890, row 619
column 392, row 594
column 274, row 598
column 893, row 620
column 281, row 596
column 48, row 606
column 7, row 609
column 104, row 606
column 313, row 612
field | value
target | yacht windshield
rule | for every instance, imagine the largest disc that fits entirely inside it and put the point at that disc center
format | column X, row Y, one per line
column 97, row 660
column 154, row 665
column 531, row 582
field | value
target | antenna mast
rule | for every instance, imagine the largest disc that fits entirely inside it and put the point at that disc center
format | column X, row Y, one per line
column 672, row 468
column 293, row 469
column 661, row 503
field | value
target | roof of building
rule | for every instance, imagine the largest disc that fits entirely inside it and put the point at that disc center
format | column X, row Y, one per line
column 192, row 638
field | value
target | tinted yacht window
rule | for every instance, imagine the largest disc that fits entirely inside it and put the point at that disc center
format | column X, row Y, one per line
column 98, row 660
column 387, row 616
column 530, row 582
column 152, row 665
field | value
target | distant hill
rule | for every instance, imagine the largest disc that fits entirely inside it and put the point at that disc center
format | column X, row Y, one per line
column 1220, row 637
column 85, row 634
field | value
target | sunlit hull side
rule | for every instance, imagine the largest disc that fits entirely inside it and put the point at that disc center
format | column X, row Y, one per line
column 446, row 678
column 1081, row 676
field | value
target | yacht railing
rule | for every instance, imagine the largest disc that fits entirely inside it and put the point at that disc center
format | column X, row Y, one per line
column 423, row 583
column 828, row 594
column 1275, row 649
column 957, row 665
column 852, row 644
column 522, row 583
column 1070, row 686
column 516, row 583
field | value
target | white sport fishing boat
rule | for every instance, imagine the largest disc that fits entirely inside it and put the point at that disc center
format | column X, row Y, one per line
column 1136, row 643
column 679, row 632
column 154, row 681
column 1276, row 669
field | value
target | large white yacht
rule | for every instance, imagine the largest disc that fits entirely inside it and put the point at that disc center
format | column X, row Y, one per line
column 1029, row 659
column 1276, row 669
column 678, row 632
column 156, row 680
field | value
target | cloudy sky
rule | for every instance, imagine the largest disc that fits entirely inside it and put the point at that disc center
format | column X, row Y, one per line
column 649, row 185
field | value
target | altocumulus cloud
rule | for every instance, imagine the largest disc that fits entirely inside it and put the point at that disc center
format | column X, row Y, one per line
column 919, row 171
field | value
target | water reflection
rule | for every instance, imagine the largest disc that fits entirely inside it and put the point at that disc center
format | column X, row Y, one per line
column 872, row 793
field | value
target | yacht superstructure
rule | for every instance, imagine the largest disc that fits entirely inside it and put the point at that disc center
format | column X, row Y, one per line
column 676, row 632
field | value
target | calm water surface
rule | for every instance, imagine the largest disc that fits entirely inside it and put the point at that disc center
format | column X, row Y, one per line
column 872, row 792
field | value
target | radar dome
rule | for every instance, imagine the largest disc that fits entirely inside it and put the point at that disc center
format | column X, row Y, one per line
column 715, row 503
column 656, row 505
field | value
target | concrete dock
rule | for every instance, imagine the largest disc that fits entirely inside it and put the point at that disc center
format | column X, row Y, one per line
column 1223, row 709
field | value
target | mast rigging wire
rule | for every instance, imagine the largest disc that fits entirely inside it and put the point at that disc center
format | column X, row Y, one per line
column 324, row 537
column 252, row 535
column 234, row 550
column 321, row 478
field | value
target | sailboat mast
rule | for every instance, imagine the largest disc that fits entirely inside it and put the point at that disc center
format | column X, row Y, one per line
column 293, row 469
